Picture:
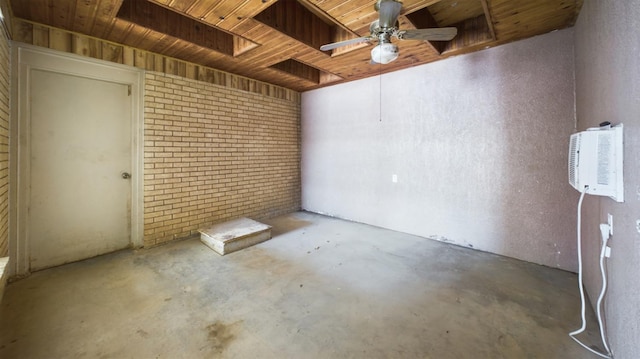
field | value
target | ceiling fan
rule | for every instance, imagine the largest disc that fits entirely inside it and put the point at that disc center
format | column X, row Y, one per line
column 386, row 27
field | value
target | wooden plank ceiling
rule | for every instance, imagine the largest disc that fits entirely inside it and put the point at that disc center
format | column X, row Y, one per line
column 277, row 41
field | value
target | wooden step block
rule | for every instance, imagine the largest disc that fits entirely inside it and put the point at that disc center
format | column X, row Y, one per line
column 234, row 235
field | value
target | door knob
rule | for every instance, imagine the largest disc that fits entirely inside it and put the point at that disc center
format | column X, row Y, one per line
column 126, row 175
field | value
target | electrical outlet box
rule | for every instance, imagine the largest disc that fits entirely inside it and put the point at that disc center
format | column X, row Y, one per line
column 610, row 223
column 394, row 178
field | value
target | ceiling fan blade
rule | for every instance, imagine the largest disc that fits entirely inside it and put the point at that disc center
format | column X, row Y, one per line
column 389, row 11
column 335, row 45
column 435, row 34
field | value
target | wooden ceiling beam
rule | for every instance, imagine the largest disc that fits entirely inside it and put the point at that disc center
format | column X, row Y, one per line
column 487, row 15
column 226, row 15
column 296, row 21
column 471, row 32
column 297, row 68
column 411, row 6
column 162, row 20
column 105, row 18
column 324, row 16
column 181, row 6
column 248, row 47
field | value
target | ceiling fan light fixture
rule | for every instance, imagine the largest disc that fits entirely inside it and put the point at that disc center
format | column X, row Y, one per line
column 384, row 53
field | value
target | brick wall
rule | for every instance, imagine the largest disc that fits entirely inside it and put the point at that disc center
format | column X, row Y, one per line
column 4, row 140
column 218, row 146
column 214, row 153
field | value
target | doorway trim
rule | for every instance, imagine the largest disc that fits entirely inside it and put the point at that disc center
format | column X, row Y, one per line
column 25, row 58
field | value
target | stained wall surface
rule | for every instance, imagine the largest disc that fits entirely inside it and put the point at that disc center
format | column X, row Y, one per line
column 607, row 45
column 478, row 145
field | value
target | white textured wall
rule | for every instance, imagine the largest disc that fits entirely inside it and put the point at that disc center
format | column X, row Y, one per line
column 607, row 47
column 478, row 142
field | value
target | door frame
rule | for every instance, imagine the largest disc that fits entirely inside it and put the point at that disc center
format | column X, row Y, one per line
column 26, row 58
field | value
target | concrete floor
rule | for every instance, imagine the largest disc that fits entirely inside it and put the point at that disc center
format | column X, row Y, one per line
column 321, row 288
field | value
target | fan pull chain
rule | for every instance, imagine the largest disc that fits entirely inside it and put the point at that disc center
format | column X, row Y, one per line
column 380, row 92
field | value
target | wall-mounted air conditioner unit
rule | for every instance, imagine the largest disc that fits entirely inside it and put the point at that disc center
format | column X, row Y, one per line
column 595, row 161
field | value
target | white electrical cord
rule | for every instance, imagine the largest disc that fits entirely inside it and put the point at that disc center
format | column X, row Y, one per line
column 605, row 240
column 580, row 285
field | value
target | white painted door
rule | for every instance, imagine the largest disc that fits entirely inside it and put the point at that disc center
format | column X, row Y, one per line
column 79, row 204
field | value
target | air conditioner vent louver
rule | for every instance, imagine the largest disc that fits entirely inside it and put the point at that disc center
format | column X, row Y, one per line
column 573, row 159
column 604, row 149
